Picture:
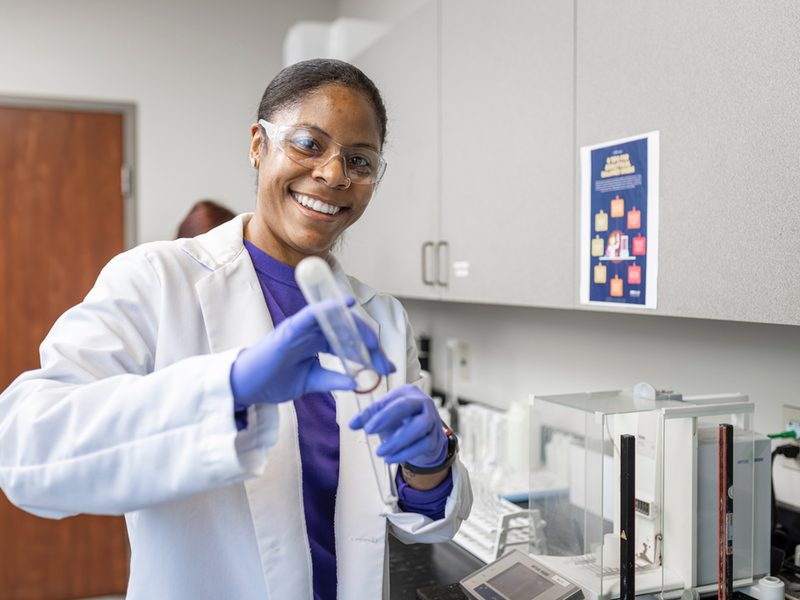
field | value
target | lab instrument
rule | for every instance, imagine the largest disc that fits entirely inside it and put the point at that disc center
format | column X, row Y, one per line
column 675, row 490
column 771, row 588
column 330, row 305
column 517, row 576
column 496, row 525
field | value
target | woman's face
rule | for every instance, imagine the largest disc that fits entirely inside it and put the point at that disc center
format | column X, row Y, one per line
column 282, row 226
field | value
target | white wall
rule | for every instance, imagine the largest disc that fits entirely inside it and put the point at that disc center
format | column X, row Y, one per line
column 518, row 351
column 379, row 10
column 195, row 69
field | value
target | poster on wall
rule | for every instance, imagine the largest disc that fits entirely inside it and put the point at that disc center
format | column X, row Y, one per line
column 619, row 222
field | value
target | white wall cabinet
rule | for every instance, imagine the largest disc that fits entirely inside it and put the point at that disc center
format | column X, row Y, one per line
column 721, row 82
column 490, row 103
column 507, row 151
column 473, row 206
column 387, row 245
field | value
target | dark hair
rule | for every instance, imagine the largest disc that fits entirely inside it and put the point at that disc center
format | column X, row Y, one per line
column 293, row 83
column 203, row 216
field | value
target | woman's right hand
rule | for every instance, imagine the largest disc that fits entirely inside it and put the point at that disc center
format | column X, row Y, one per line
column 284, row 364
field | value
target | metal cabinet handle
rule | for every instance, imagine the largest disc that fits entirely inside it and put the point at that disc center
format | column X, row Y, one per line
column 425, row 279
column 439, row 269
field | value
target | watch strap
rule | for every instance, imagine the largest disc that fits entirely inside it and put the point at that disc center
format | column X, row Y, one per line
column 452, row 450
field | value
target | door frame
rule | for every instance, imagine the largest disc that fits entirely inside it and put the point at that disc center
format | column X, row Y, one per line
column 128, row 112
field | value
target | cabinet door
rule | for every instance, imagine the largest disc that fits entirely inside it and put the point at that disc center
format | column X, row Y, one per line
column 720, row 81
column 508, row 151
column 385, row 248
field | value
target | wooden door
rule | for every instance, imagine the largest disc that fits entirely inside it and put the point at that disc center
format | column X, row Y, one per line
column 61, row 220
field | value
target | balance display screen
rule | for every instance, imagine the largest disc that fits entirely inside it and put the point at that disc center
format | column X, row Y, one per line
column 518, row 582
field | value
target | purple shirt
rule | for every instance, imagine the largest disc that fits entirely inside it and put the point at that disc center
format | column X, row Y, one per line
column 318, row 434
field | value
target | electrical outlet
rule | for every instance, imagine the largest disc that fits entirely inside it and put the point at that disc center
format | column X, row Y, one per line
column 463, row 361
column 791, row 416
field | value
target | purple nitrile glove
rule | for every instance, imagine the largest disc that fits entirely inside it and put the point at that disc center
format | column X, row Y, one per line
column 284, row 364
column 408, row 425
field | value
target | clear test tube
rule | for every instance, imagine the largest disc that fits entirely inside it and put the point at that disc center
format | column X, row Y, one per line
column 320, row 290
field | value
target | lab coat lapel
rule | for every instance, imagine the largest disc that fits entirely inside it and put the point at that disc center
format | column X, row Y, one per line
column 279, row 518
column 233, row 306
column 234, row 310
column 359, row 522
column 236, row 315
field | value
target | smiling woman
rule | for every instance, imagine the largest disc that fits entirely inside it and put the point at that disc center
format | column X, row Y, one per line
column 312, row 181
column 194, row 391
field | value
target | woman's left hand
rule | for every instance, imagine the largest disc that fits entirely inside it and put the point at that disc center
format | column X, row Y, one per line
column 409, row 426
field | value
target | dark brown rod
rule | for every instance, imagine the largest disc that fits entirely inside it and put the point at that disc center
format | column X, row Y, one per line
column 725, row 495
column 627, row 516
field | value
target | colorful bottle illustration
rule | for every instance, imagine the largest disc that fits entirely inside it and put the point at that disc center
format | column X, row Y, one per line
column 601, row 221
column 612, row 250
column 599, row 273
column 634, row 218
column 616, row 287
column 598, row 246
column 617, row 207
column 623, row 246
column 639, row 245
column 634, row 275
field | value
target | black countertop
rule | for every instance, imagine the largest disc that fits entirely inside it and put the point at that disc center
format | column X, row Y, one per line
column 413, row 566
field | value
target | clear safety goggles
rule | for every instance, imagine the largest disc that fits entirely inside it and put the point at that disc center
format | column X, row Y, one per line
column 311, row 148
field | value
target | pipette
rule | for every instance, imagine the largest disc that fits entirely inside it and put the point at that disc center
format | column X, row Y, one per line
column 338, row 324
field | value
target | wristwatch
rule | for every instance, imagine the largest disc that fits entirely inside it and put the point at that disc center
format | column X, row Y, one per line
column 452, row 450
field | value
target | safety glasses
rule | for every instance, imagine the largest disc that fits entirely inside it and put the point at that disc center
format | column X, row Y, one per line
column 312, row 148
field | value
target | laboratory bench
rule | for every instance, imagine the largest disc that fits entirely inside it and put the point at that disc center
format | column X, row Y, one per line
column 414, row 566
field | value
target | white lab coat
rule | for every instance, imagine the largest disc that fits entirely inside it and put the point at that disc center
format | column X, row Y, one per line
column 131, row 413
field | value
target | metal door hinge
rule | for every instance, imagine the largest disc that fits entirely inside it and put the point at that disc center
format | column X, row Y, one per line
column 125, row 179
